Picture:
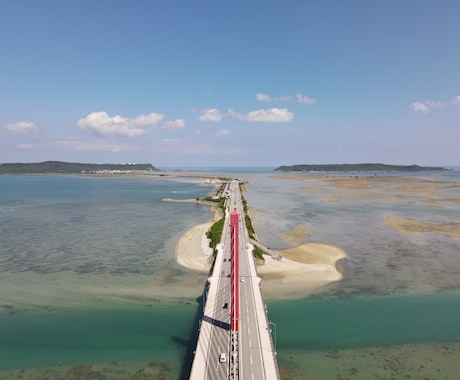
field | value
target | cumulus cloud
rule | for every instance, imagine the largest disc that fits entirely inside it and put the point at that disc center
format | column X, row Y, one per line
column 268, row 99
column 211, row 115
column 272, row 115
column 223, row 132
column 433, row 104
column 263, row 97
column 419, row 107
column 101, row 124
column 21, row 127
column 174, row 124
column 428, row 105
column 305, row 99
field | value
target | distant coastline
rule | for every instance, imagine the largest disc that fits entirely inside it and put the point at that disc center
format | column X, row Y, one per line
column 367, row 167
column 59, row 167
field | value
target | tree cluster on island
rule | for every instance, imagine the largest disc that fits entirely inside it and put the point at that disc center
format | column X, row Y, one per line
column 59, row 167
column 368, row 167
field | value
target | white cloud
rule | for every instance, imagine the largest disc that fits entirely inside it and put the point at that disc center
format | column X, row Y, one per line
column 305, row 99
column 419, row 107
column 272, row 115
column 263, row 97
column 174, row 124
column 428, row 105
column 211, row 115
column 101, row 124
column 268, row 99
column 223, row 132
column 21, row 127
column 432, row 104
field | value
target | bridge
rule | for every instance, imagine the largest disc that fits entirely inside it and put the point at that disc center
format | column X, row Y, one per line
column 235, row 337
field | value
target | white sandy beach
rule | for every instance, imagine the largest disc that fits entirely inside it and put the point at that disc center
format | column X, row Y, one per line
column 302, row 269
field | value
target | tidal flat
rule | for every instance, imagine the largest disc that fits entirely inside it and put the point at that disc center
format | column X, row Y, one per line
column 393, row 315
column 89, row 286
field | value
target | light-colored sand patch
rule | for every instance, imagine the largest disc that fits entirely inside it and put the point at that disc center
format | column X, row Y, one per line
column 193, row 251
column 300, row 233
column 415, row 190
column 315, row 253
column 301, row 271
column 30, row 290
column 412, row 226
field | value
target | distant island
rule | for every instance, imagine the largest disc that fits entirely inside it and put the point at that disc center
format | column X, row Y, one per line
column 58, row 167
column 357, row 168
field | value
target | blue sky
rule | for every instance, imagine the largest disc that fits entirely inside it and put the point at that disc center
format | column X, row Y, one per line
column 241, row 83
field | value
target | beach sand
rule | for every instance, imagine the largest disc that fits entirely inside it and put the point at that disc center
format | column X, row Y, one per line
column 307, row 267
column 300, row 271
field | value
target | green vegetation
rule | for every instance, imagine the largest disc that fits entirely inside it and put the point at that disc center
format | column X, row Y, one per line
column 59, row 167
column 214, row 234
column 221, row 189
column 211, row 199
column 357, row 168
column 220, row 201
column 257, row 252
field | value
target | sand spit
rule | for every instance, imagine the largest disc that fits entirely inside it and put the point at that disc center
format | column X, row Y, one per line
column 301, row 270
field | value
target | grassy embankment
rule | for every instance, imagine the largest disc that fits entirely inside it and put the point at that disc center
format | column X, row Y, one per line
column 214, row 234
column 257, row 252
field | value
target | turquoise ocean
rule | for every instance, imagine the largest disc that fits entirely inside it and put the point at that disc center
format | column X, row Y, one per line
column 89, row 288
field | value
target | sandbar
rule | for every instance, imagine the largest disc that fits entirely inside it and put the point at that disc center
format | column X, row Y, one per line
column 412, row 226
column 300, row 272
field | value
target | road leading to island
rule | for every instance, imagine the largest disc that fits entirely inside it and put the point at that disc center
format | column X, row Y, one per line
column 219, row 353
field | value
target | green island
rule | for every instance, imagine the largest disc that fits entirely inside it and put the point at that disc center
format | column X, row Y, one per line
column 368, row 167
column 59, row 167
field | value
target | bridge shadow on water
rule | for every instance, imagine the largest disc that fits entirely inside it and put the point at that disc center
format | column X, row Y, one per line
column 186, row 345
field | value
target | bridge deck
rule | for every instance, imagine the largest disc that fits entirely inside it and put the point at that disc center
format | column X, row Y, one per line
column 256, row 356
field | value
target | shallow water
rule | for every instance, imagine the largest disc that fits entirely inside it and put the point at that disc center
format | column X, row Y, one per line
column 122, row 337
column 89, row 287
column 92, row 225
column 415, row 336
column 404, row 336
column 380, row 260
